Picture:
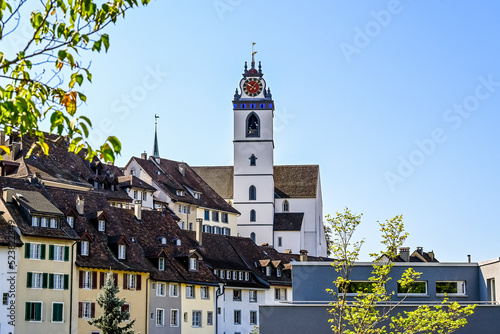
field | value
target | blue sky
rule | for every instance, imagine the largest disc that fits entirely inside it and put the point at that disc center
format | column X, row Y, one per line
column 397, row 101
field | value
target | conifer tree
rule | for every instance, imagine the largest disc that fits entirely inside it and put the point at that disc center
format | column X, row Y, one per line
column 112, row 315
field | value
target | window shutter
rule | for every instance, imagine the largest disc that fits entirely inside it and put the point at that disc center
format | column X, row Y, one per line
column 51, row 281
column 28, row 311
column 66, row 253
column 101, row 279
column 66, row 282
column 29, row 279
column 92, row 310
column 80, row 279
column 38, row 311
column 44, row 280
column 115, row 277
column 94, row 280
column 51, row 252
column 139, row 282
column 125, row 287
column 27, row 250
column 42, row 253
column 80, row 309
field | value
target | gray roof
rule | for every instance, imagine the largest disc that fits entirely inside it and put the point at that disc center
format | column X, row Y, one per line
column 291, row 181
column 33, row 201
column 288, row 221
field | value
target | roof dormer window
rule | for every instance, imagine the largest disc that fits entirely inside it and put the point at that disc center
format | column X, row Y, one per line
column 70, row 220
column 35, row 222
column 182, row 170
column 278, row 272
column 101, row 225
column 122, row 252
column 53, row 223
column 44, row 222
column 197, row 195
column 161, row 263
column 84, row 248
column 163, row 240
column 268, row 271
column 179, row 192
column 193, row 264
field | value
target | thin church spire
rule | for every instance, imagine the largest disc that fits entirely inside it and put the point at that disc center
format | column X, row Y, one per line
column 156, row 151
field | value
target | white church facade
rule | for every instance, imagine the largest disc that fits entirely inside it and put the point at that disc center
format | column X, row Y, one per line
column 279, row 205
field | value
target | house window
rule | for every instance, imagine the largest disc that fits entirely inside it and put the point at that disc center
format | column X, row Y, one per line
column 253, row 317
column 101, row 225
column 53, row 223
column 237, row 295
column 247, row 276
column 280, row 241
column 278, row 272
column 35, row 251
column 252, row 296
column 210, row 318
column 35, row 221
column 253, row 160
column 193, row 264
column 126, row 309
column 228, row 274
column 237, row 317
column 5, row 298
column 252, row 193
column 215, row 216
column 207, row 214
column 174, row 290
column 70, row 220
column 197, row 195
column 122, row 251
column 160, row 317
column 36, row 280
column 253, row 128
column 132, row 281
column 44, row 222
column 456, row 288
column 235, row 275
column 222, row 274
column 189, row 291
column 33, row 311
column 135, row 194
column 87, row 280
column 253, row 215
column 204, row 293
column 279, row 294
column 223, row 217
column 174, row 318
column 132, row 172
column 286, row 206
column 86, row 310
column 190, row 226
column 268, row 271
column 161, row 289
column 240, row 276
column 359, row 286
column 163, row 241
column 179, row 208
column 57, row 281
column 161, row 263
column 416, row 288
column 180, row 193
column 144, row 196
column 196, row 319
column 84, row 248
column 57, row 312
column 58, row 252
column 181, row 225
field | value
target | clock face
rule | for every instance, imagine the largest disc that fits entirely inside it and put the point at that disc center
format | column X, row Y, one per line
column 252, row 86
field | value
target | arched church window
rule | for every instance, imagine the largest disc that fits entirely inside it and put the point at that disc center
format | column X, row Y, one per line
column 286, row 206
column 253, row 126
column 262, row 106
column 253, row 160
column 252, row 193
column 253, row 216
column 252, row 106
column 252, row 236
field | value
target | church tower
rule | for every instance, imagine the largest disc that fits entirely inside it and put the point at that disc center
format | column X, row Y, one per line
column 254, row 156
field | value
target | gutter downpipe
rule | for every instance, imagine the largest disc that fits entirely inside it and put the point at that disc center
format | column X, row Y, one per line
column 220, row 291
column 71, row 289
column 147, row 305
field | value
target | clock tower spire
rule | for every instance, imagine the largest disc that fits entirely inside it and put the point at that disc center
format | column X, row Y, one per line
column 253, row 109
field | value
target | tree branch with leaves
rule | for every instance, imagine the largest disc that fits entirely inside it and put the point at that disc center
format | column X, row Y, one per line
column 32, row 79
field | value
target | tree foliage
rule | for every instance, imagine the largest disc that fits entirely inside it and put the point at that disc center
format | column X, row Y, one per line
column 370, row 311
column 112, row 315
column 41, row 80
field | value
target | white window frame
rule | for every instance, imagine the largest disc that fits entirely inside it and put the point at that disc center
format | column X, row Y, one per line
column 204, row 292
column 58, row 252
column 237, row 317
column 461, row 289
column 197, row 317
column 228, row 274
column 84, row 248
column 268, row 271
column 35, row 221
column 122, row 252
column 58, row 283
column 173, row 290
column 247, row 276
column 161, row 289
column 144, row 196
column 161, row 263
column 237, row 295
column 240, row 275
column 35, row 251
column 44, row 222
column 222, row 274
column 280, row 294
column 132, row 281
column 36, row 280
column 278, row 272
column 252, row 296
column 402, row 294
column 235, row 275
column 193, row 264
column 160, row 317
column 101, row 225
column 174, row 318
column 255, row 320
column 86, row 310
column 87, row 280
column 210, row 318
column 190, row 291
column 41, row 310
column 53, row 223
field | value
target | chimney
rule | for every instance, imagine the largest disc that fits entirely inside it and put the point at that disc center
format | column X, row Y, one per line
column 468, row 258
column 431, row 255
column 199, row 231
column 404, row 252
column 303, row 255
column 80, row 204
column 2, row 137
column 8, row 193
column 138, row 209
column 288, row 251
column 420, row 250
column 144, row 155
column 265, row 244
column 15, row 148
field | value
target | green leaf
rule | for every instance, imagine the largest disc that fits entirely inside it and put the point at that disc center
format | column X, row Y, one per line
column 117, row 146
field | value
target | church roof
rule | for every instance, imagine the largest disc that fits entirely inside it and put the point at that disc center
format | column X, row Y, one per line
column 288, row 221
column 290, row 181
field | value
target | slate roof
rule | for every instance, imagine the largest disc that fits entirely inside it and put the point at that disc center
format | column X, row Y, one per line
column 35, row 202
column 8, row 236
column 290, row 181
column 288, row 221
column 170, row 180
column 129, row 181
